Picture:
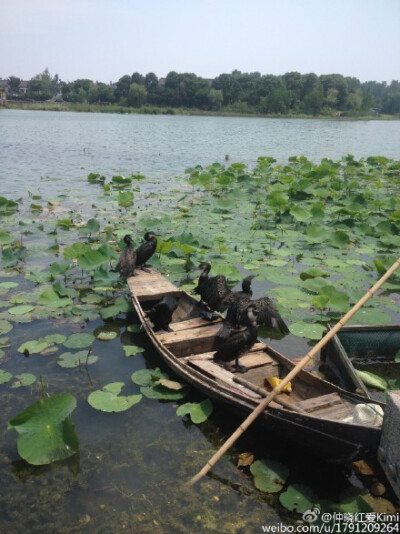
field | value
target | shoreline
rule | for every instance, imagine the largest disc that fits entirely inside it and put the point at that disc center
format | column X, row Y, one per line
column 153, row 110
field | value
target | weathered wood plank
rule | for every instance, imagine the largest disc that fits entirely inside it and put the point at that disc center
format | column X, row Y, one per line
column 321, row 402
column 191, row 323
column 151, row 286
column 190, row 341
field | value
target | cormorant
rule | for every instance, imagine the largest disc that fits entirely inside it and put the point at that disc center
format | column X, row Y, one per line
column 269, row 316
column 145, row 251
column 161, row 313
column 127, row 259
column 238, row 302
column 239, row 341
column 214, row 290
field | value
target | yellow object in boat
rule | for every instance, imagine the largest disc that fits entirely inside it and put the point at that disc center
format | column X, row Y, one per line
column 273, row 381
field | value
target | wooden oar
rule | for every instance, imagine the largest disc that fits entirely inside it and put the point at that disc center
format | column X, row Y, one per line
column 264, row 403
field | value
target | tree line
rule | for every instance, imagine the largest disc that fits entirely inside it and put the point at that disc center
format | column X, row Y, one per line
column 290, row 93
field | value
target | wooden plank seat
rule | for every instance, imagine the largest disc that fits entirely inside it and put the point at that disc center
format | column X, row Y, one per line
column 151, row 286
column 214, row 370
column 320, row 403
column 190, row 341
column 250, row 360
column 191, row 323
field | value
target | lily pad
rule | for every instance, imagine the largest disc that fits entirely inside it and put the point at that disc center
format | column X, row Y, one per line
column 79, row 341
column 298, row 498
column 198, row 411
column 163, row 393
column 51, row 299
column 24, row 379
column 106, row 335
column 75, row 359
column 5, row 376
column 145, row 377
column 307, row 330
column 132, row 350
column 35, row 346
column 269, row 475
column 21, row 310
column 46, row 432
column 109, row 400
column 5, row 326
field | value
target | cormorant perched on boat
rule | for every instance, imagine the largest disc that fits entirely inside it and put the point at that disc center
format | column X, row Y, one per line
column 269, row 316
column 239, row 341
column 214, row 290
column 145, row 251
column 127, row 259
column 161, row 313
column 238, row 302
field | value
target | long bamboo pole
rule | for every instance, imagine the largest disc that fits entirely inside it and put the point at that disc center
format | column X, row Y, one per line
column 264, row 403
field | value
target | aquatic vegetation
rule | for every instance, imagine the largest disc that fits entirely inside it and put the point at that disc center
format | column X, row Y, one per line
column 198, row 411
column 298, row 498
column 108, row 399
column 269, row 475
column 45, row 430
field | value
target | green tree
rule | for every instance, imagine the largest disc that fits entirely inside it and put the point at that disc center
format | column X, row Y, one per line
column 215, row 98
column 43, row 86
column 13, row 85
column 122, row 87
column 137, row 95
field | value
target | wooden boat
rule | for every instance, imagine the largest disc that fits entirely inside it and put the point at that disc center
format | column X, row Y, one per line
column 311, row 416
column 361, row 347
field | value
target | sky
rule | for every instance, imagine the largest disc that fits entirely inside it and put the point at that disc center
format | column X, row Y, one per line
column 103, row 40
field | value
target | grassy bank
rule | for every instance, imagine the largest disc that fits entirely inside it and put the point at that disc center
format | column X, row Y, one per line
column 156, row 110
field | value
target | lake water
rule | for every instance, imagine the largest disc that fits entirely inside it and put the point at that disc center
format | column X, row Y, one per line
column 50, row 152
column 129, row 474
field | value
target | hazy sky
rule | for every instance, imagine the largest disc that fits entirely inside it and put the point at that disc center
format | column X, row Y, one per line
column 104, row 39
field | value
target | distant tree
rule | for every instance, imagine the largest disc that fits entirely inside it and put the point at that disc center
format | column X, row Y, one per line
column 13, row 85
column 100, row 92
column 122, row 87
column 77, row 91
column 153, row 88
column 137, row 95
column 215, row 98
column 314, row 99
column 137, row 78
column 43, row 86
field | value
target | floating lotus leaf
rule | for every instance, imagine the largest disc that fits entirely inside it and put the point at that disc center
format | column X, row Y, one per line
column 307, row 330
column 163, row 393
column 5, row 238
column 24, row 379
column 46, row 432
column 132, row 350
column 109, row 400
column 91, row 227
column 57, row 268
column 76, row 250
column 269, row 475
column 125, row 199
column 314, row 285
column 5, row 376
column 8, row 285
column 7, row 206
column 35, row 346
column 198, row 411
column 145, row 377
column 134, row 328
column 170, row 384
column 51, row 299
column 120, row 306
column 370, row 316
column 339, row 238
column 55, row 338
column 5, row 326
column 314, row 272
column 298, row 498
column 372, row 380
column 79, row 341
column 75, row 359
column 106, row 335
column 21, row 310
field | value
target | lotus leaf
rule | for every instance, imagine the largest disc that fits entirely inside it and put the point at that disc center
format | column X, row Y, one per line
column 269, row 475
column 76, row 359
column 109, row 400
column 5, row 327
column 372, row 380
column 5, row 238
column 163, row 393
column 20, row 310
column 55, row 338
column 314, row 285
column 145, row 377
column 24, row 379
column 35, row 346
column 79, row 341
column 57, row 268
column 170, row 384
column 125, row 199
column 51, row 299
column 46, row 432
column 8, row 285
column 91, row 227
column 120, row 306
column 307, row 330
column 298, row 498
column 5, row 376
column 134, row 328
column 370, row 316
column 106, row 335
column 7, row 206
column 72, row 252
column 198, row 411
column 132, row 350
column 314, row 272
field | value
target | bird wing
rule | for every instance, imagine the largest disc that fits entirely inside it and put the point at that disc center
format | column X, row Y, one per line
column 216, row 291
column 269, row 316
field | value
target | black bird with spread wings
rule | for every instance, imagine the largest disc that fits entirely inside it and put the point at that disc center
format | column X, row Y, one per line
column 161, row 313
